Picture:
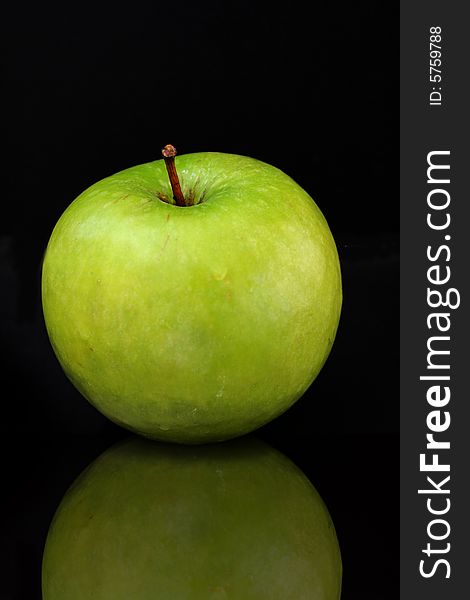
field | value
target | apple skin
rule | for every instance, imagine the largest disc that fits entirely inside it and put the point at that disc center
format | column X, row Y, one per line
column 151, row 521
column 198, row 323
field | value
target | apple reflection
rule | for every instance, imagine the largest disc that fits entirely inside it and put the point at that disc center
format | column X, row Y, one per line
column 151, row 521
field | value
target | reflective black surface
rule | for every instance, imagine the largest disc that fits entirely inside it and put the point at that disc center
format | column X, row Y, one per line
column 355, row 475
column 150, row 520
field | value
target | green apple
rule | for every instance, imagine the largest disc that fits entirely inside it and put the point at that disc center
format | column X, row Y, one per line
column 192, row 323
column 150, row 521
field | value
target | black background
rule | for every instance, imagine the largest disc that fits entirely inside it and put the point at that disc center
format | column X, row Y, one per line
column 313, row 91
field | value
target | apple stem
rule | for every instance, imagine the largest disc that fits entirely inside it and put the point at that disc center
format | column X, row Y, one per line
column 169, row 153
